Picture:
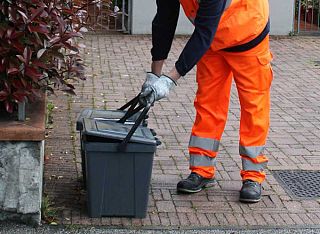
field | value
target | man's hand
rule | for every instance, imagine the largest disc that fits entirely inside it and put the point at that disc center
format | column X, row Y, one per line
column 157, row 90
column 150, row 79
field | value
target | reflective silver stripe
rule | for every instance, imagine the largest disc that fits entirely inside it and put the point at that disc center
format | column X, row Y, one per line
column 204, row 143
column 247, row 165
column 251, row 151
column 198, row 160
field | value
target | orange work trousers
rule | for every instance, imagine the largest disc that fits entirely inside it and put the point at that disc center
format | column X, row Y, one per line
column 252, row 74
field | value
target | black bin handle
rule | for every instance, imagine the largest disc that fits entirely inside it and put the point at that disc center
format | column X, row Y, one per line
column 122, row 146
column 132, row 103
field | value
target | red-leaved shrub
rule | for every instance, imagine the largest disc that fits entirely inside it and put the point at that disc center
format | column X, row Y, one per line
column 38, row 50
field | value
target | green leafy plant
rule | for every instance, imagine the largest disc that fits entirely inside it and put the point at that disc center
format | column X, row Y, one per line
column 49, row 115
column 310, row 4
column 38, row 49
column 48, row 212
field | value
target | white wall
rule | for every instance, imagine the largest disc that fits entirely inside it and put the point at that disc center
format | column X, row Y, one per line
column 143, row 11
column 281, row 16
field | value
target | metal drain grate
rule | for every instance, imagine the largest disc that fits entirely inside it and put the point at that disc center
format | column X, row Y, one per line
column 300, row 184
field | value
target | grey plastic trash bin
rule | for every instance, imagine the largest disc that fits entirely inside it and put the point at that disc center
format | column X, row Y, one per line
column 117, row 173
column 113, row 115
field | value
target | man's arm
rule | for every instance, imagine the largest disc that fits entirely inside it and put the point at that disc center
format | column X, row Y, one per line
column 163, row 28
column 206, row 24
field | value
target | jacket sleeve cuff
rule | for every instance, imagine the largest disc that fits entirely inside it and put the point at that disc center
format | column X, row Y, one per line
column 158, row 58
column 180, row 69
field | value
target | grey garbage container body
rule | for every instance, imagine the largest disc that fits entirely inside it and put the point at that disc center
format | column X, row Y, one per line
column 117, row 181
column 111, row 115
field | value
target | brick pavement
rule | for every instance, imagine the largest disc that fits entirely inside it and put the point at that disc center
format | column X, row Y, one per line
column 115, row 71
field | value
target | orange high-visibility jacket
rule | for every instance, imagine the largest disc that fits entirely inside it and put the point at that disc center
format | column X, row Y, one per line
column 241, row 22
column 231, row 23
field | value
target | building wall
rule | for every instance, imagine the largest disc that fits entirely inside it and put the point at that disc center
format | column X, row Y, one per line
column 281, row 16
column 143, row 11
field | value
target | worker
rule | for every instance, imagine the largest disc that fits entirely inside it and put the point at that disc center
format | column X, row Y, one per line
column 230, row 41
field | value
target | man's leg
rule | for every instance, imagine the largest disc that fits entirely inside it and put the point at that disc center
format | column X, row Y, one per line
column 253, row 75
column 212, row 99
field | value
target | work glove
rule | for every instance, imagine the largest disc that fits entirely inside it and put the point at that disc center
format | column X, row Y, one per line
column 157, row 90
column 150, row 79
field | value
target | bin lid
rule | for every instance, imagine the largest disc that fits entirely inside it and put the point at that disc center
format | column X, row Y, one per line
column 103, row 114
column 106, row 129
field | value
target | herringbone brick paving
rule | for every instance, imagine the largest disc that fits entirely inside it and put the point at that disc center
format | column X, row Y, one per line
column 115, row 71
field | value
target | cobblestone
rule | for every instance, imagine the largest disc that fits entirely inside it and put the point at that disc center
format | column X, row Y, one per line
column 115, row 71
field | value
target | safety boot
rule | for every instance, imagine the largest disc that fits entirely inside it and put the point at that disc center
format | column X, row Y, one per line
column 250, row 191
column 194, row 183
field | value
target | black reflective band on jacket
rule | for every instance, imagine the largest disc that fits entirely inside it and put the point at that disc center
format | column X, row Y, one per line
column 251, row 44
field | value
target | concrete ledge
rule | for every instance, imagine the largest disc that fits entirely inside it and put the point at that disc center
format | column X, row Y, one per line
column 21, row 165
column 33, row 129
column 21, row 176
column 31, row 219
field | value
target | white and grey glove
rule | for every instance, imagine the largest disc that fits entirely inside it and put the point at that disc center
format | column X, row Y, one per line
column 150, row 79
column 157, row 90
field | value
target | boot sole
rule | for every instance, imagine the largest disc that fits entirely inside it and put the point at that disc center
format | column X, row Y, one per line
column 206, row 185
column 246, row 200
